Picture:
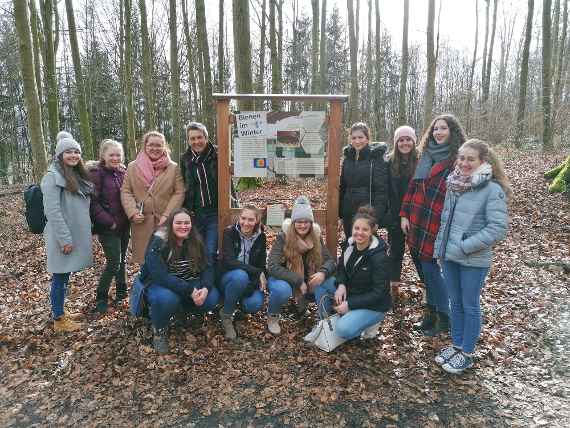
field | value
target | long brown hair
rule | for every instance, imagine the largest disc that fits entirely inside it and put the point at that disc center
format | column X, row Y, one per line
column 487, row 154
column 403, row 166
column 193, row 246
column 291, row 251
column 456, row 134
column 72, row 174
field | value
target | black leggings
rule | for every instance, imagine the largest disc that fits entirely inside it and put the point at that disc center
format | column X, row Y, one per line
column 397, row 241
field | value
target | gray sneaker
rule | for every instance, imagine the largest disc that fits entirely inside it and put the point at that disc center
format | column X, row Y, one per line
column 370, row 332
column 273, row 324
column 160, row 340
column 458, row 363
column 445, row 354
column 227, row 323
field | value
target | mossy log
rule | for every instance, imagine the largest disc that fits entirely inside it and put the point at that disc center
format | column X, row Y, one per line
column 561, row 175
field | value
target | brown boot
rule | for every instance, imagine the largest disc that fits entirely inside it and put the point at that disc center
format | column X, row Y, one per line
column 65, row 325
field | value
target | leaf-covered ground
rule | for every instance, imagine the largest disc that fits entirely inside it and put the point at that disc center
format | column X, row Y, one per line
column 108, row 374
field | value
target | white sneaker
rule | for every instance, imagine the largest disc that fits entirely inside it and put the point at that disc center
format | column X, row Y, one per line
column 273, row 324
column 313, row 334
column 371, row 332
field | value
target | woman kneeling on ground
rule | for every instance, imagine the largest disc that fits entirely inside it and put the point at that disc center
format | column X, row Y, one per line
column 474, row 218
column 298, row 261
column 242, row 267
column 362, row 293
column 176, row 275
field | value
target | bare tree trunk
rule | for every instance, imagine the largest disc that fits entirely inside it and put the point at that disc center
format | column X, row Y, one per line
column 487, row 78
column 176, row 138
column 36, row 42
column 261, row 71
column 87, row 143
column 34, row 116
column 546, row 75
column 276, row 79
column 485, row 44
column 323, row 50
column 379, row 105
column 430, row 83
column 555, row 31
column 204, row 52
column 50, row 72
column 523, row 82
column 315, row 48
column 472, row 72
column 369, row 73
column 242, row 49
column 191, row 64
column 220, row 85
column 405, row 63
column 353, row 45
column 559, row 67
column 148, row 89
column 131, row 148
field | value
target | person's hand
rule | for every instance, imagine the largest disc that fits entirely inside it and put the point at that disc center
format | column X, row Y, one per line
column 405, row 225
column 303, row 288
column 137, row 218
column 262, row 282
column 114, row 226
column 162, row 220
column 316, row 279
column 340, row 294
column 199, row 296
column 342, row 308
column 67, row 249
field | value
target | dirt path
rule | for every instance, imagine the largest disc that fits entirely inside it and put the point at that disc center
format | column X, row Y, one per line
column 108, row 374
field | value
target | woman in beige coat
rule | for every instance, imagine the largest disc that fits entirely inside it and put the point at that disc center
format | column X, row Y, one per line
column 152, row 188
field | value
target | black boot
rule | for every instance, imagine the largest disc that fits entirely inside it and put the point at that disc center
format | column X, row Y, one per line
column 428, row 321
column 442, row 325
column 160, row 340
column 120, row 292
column 101, row 302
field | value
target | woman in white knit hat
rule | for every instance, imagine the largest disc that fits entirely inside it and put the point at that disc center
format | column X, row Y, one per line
column 298, row 261
column 66, row 197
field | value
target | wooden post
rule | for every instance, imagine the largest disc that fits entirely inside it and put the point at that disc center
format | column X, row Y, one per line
column 333, row 157
column 223, row 140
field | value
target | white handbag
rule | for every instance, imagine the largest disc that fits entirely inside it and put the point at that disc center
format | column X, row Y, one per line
column 323, row 335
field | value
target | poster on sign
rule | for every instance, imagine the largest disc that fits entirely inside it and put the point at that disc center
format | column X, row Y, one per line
column 250, row 145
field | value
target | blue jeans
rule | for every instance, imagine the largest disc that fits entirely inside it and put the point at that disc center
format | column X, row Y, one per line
column 164, row 303
column 464, row 285
column 352, row 323
column 57, row 293
column 279, row 293
column 207, row 225
column 436, row 291
column 232, row 286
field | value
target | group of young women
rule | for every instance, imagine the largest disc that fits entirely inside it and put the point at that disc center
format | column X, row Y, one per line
column 447, row 199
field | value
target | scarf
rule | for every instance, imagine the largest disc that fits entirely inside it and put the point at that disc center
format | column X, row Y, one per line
column 150, row 169
column 433, row 154
column 206, row 197
column 463, row 183
column 295, row 264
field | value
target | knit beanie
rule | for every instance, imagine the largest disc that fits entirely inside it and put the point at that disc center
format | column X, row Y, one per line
column 66, row 143
column 63, row 134
column 302, row 210
column 405, row 131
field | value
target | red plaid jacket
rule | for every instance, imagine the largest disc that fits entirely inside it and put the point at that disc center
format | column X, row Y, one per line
column 422, row 206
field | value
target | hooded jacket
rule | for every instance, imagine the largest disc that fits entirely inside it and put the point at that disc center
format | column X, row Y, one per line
column 106, row 208
column 364, row 181
column 367, row 284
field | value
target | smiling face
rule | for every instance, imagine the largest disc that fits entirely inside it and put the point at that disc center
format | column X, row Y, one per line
column 247, row 222
column 358, row 140
column 468, row 160
column 362, row 232
column 440, row 131
column 197, row 140
column 113, row 157
column 71, row 157
column 405, row 145
column 181, row 226
column 303, row 227
column 155, row 147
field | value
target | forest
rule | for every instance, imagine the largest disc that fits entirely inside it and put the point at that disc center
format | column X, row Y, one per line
column 119, row 68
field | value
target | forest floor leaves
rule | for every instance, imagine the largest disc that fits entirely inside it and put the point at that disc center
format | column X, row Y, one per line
column 109, row 375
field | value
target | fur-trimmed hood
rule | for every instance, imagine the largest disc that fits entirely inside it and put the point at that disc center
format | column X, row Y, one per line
column 287, row 224
column 376, row 150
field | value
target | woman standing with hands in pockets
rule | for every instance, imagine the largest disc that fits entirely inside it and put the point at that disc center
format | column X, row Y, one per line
column 152, row 189
column 421, row 212
column 474, row 218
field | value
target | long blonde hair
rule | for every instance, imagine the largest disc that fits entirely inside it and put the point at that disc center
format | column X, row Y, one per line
column 291, row 251
column 487, row 154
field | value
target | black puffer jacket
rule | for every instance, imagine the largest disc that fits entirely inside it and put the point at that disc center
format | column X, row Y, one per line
column 364, row 181
column 200, row 176
column 367, row 284
column 398, row 186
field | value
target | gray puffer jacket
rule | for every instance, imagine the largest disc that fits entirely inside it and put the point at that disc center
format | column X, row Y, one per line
column 471, row 223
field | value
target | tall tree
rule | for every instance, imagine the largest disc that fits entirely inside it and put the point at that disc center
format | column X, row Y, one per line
column 367, row 105
column 221, row 77
column 353, row 46
column 559, row 83
column 36, row 42
column 323, row 86
column 405, row 62
column 379, row 104
column 79, row 85
column 204, row 53
column 34, row 116
column 148, row 90
column 190, row 54
column 430, row 82
column 261, row 71
column 315, row 48
column 472, row 71
column 546, row 74
column 128, row 79
column 174, row 84
column 276, row 77
column 242, row 51
column 485, row 44
column 50, row 72
column 523, row 76
column 489, row 59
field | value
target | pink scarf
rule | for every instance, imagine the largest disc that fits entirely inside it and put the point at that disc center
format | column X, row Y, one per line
column 150, row 169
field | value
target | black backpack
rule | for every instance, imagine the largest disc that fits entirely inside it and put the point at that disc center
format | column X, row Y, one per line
column 35, row 216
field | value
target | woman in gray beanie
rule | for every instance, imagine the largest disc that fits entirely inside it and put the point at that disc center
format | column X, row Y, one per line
column 298, row 261
column 66, row 197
